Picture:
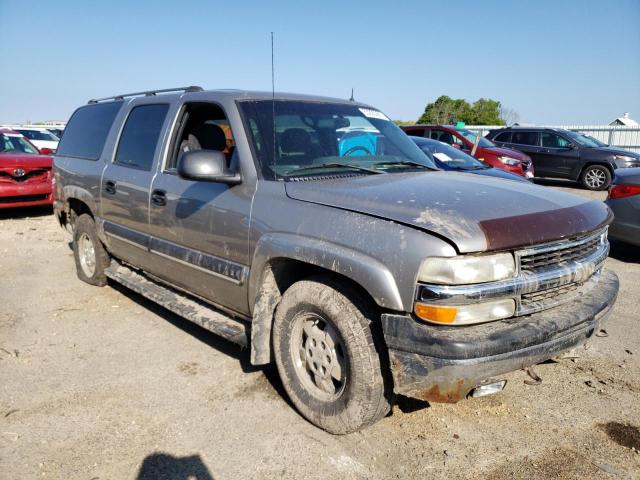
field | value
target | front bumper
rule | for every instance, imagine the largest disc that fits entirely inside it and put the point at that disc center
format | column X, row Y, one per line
column 27, row 195
column 443, row 364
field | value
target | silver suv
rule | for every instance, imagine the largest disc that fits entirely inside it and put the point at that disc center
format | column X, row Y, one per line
column 314, row 232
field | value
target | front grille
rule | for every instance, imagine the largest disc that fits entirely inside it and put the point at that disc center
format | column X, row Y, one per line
column 24, row 198
column 33, row 176
column 575, row 251
column 550, row 297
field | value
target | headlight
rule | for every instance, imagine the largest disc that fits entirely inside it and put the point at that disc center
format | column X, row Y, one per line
column 466, row 314
column 626, row 159
column 509, row 161
column 467, row 269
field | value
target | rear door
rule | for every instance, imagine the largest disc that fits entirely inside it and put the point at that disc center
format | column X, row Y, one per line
column 126, row 182
column 558, row 154
column 529, row 143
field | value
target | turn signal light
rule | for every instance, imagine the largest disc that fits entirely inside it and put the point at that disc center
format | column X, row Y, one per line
column 624, row 190
column 430, row 313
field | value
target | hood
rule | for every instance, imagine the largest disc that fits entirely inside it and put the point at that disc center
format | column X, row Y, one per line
column 473, row 212
column 616, row 151
column 24, row 160
column 506, row 152
column 499, row 173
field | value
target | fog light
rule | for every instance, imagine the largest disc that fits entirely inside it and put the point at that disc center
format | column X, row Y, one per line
column 466, row 314
column 488, row 388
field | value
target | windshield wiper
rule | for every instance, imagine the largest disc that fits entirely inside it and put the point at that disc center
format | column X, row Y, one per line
column 405, row 162
column 331, row 165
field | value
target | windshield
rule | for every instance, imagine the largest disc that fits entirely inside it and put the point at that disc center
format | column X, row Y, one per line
column 12, row 143
column 317, row 138
column 582, row 140
column 452, row 157
column 469, row 135
column 39, row 135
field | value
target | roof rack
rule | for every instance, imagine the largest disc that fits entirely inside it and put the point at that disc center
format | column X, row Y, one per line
column 149, row 93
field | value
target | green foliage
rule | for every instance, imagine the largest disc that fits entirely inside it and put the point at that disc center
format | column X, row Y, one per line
column 448, row 111
column 401, row 123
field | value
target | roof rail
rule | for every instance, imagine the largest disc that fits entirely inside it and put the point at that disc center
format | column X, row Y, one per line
column 149, row 93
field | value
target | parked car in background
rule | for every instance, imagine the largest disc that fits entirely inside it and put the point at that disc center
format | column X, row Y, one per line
column 447, row 157
column 323, row 238
column 624, row 201
column 25, row 174
column 559, row 153
column 504, row 158
column 57, row 131
column 42, row 138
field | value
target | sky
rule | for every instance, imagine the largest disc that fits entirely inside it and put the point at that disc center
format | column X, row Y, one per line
column 553, row 62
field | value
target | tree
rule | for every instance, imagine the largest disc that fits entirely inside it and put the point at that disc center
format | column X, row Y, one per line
column 508, row 115
column 447, row 110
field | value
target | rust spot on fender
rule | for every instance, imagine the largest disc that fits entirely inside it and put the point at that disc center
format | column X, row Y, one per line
column 542, row 227
column 444, row 394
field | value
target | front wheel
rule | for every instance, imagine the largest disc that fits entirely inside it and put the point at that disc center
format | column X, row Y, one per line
column 596, row 177
column 327, row 358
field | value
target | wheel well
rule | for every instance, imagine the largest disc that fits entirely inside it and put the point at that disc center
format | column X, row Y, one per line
column 77, row 208
column 277, row 276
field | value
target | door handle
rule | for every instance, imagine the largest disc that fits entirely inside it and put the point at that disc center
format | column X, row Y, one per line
column 159, row 198
column 110, row 187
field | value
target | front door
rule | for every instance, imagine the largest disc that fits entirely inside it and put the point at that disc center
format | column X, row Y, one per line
column 126, row 182
column 558, row 154
column 199, row 230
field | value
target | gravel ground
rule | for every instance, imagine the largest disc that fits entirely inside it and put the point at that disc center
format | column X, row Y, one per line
column 97, row 383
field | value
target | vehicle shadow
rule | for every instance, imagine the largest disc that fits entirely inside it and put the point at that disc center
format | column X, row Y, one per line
column 624, row 252
column 210, row 339
column 162, row 465
column 551, row 182
column 25, row 212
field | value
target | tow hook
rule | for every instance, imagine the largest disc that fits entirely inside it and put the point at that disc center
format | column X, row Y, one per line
column 489, row 387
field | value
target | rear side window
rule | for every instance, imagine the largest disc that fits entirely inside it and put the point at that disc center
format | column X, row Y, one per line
column 140, row 136
column 503, row 137
column 525, row 138
column 87, row 130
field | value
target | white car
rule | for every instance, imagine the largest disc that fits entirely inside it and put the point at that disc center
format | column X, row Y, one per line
column 40, row 137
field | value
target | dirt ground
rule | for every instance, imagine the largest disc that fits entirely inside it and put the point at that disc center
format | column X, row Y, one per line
column 97, row 383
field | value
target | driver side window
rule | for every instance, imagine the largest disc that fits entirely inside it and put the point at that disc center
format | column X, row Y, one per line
column 551, row 140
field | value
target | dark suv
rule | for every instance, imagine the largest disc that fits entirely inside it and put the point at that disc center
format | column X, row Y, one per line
column 559, row 153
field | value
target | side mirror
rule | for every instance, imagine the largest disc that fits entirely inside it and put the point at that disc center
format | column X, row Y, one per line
column 455, row 145
column 208, row 166
column 46, row 151
column 569, row 146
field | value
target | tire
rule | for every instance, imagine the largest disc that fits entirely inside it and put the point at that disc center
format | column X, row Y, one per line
column 596, row 177
column 327, row 358
column 88, row 252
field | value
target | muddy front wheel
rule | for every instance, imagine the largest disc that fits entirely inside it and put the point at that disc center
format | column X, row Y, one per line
column 327, row 358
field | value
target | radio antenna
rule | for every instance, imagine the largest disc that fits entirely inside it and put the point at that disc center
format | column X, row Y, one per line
column 351, row 99
column 273, row 102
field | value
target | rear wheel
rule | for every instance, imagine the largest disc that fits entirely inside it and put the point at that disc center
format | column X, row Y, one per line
column 596, row 177
column 89, row 253
column 327, row 358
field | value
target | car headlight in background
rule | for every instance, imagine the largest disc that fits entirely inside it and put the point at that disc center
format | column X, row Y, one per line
column 625, row 160
column 509, row 161
column 467, row 269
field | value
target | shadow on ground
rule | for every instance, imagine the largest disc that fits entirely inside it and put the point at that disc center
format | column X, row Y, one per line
column 25, row 212
column 160, row 466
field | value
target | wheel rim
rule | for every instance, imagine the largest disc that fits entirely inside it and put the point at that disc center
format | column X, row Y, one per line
column 595, row 178
column 318, row 356
column 87, row 255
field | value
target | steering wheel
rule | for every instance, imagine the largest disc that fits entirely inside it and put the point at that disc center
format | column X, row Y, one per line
column 355, row 149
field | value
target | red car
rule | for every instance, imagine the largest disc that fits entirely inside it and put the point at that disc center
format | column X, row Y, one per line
column 510, row 160
column 25, row 175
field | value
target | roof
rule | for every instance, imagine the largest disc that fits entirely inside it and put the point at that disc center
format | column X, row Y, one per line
column 625, row 120
column 231, row 94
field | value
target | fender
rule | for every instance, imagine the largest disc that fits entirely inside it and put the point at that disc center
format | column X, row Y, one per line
column 368, row 272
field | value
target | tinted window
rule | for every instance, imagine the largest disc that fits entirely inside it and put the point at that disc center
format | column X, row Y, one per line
column 503, row 137
column 140, row 136
column 525, row 138
column 552, row 140
column 87, row 130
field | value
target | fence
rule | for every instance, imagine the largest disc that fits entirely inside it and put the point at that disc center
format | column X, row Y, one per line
column 615, row 136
